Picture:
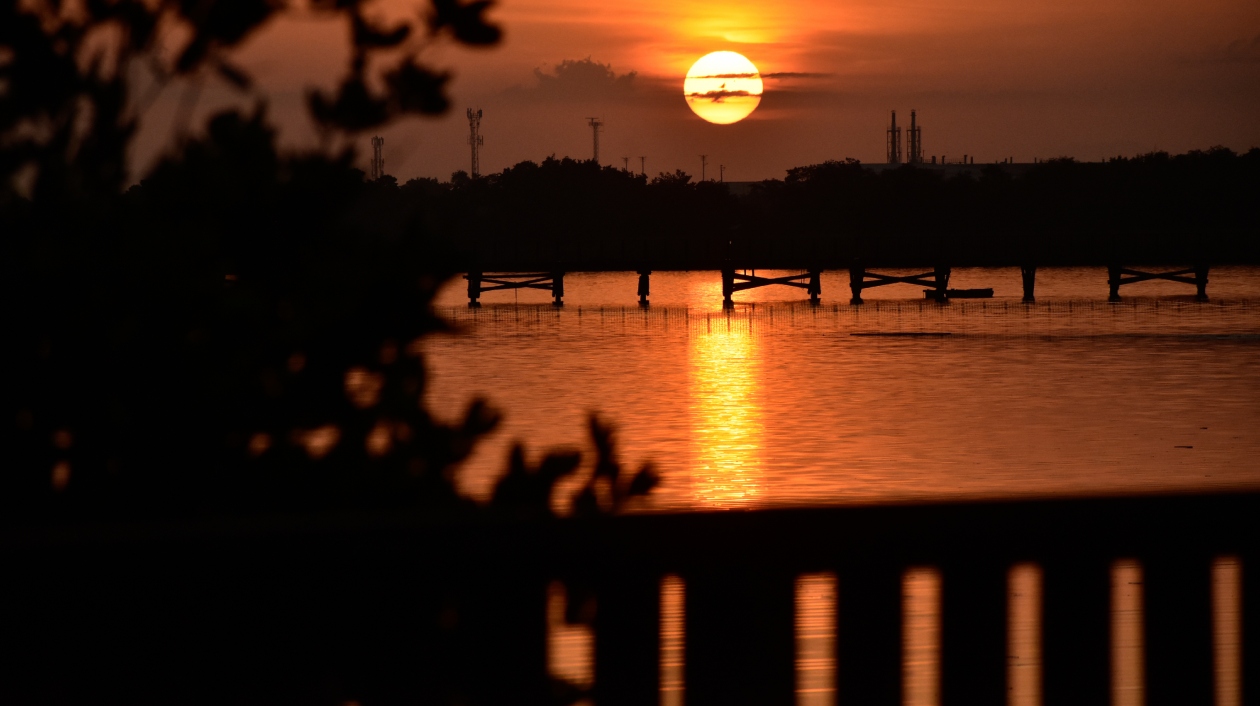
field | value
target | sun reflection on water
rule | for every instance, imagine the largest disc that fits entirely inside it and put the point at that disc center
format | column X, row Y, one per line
column 726, row 418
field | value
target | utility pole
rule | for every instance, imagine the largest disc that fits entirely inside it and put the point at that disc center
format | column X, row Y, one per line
column 475, row 140
column 721, row 172
column 626, row 161
column 595, row 124
column 378, row 159
column 704, row 162
column 643, row 166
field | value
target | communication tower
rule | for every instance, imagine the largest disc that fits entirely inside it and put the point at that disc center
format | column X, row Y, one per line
column 475, row 140
column 894, row 141
column 378, row 159
column 595, row 124
column 643, row 166
column 626, row 161
column 704, row 162
column 914, row 142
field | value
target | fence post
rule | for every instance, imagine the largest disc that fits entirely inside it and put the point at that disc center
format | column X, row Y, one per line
column 627, row 639
column 740, row 647
column 1177, row 607
column 1076, row 631
column 973, row 633
column 868, row 636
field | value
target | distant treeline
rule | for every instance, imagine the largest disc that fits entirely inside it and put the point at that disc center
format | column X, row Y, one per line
column 567, row 214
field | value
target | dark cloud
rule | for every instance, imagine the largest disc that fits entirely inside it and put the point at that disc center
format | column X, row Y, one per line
column 795, row 74
column 1244, row 49
column 582, row 78
column 718, row 96
column 748, row 75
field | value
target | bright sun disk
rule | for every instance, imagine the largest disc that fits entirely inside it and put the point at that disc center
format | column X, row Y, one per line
column 723, row 87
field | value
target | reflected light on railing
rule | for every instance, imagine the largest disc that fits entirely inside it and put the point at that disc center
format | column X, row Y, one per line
column 921, row 637
column 726, row 417
column 1023, row 671
column 1127, row 664
column 816, row 640
column 570, row 648
column 672, row 637
column 1227, row 630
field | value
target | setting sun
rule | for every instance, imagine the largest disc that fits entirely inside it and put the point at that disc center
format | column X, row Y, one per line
column 723, row 87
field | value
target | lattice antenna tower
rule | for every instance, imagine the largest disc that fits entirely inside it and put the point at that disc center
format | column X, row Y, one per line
column 595, row 124
column 704, row 163
column 915, row 142
column 894, row 141
column 475, row 140
column 378, row 158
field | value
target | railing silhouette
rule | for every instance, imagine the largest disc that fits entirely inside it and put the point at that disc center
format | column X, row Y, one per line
column 386, row 609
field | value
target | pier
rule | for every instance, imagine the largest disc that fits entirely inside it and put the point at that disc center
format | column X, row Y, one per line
column 935, row 283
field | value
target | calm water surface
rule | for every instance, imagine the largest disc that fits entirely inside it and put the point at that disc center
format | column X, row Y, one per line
column 777, row 403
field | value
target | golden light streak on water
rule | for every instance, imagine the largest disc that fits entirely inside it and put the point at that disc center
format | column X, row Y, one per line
column 816, row 639
column 921, row 637
column 724, row 366
column 1023, row 667
column 672, row 641
column 1127, row 664
column 1227, row 630
column 570, row 648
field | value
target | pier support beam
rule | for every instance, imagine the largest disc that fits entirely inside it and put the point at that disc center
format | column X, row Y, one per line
column 644, row 282
column 1197, row 275
column 811, row 282
column 479, row 283
column 1029, row 274
column 936, row 282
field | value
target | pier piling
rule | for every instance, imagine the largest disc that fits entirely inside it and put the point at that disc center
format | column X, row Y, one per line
column 1029, row 275
column 644, row 287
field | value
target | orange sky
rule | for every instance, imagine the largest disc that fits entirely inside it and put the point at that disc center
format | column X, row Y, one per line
column 989, row 78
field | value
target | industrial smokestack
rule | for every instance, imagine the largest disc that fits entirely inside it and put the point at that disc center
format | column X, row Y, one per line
column 915, row 142
column 894, row 141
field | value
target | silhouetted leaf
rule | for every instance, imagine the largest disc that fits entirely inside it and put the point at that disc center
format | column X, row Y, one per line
column 233, row 75
column 465, row 21
column 644, row 481
column 415, row 89
column 365, row 35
